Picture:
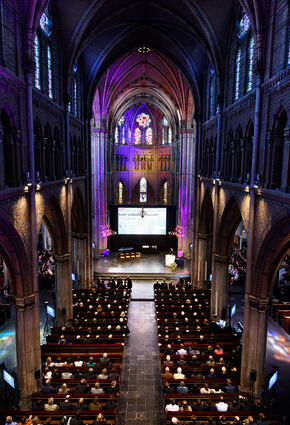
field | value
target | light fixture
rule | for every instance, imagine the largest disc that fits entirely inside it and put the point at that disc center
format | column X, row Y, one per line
column 144, row 49
column 247, row 181
column 218, row 179
column 257, row 182
column 28, row 182
column 37, row 180
column 66, row 177
column 142, row 213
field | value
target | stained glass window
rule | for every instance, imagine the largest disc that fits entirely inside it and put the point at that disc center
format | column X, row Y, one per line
column 120, row 192
column 143, row 190
column 123, row 135
column 37, row 79
column 250, row 64
column 289, row 53
column 122, row 120
column 69, row 106
column 149, row 136
column 137, row 136
column 165, row 193
column 75, row 97
column 211, row 97
column 49, row 66
column 45, row 22
column 169, row 135
column 143, row 120
column 243, row 26
column 237, row 74
column 117, row 135
column 164, row 121
column 162, row 136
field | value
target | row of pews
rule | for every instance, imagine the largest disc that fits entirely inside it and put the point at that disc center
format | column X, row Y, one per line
column 82, row 362
column 200, row 362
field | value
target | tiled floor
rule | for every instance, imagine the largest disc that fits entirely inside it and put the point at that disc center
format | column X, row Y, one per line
column 141, row 400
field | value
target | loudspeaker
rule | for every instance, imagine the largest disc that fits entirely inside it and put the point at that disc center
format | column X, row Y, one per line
column 253, row 375
column 63, row 311
column 37, row 374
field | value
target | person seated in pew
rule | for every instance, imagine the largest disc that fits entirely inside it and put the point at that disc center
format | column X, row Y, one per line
column 62, row 340
column 63, row 389
column 103, row 375
column 179, row 374
column 59, row 362
column 167, row 388
column 47, row 374
column 76, row 420
column 194, row 361
column 168, row 362
column 210, row 361
column 95, row 404
column 221, row 406
column 219, row 351
column 100, row 420
column 50, row 406
column 110, row 405
column 205, row 389
column 66, row 374
column 216, row 389
column 97, row 389
column 113, row 374
column 182, row 362
column 229, row 388
column 174, row 421
column 113, row 389
column 81, row 405
column 66, row 404
column 91, row 362
column 212, row 373
column 90, row 373
column 181, row 351
column 82, row 387
column 223, row 372
column 47, row 388
column 172, row 406
column 185, row 407
column 78, row 362
column 104, row 360
column 182, row 389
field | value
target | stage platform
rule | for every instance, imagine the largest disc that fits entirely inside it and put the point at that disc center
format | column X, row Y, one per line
column 148, row 267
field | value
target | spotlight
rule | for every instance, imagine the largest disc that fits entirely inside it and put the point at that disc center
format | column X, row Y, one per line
column 257, row 182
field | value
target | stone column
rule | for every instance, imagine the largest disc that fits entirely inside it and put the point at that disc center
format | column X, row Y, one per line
column 27, row 346
column 285, row 180
column 2, row 158
column 219, row 293
column 80, row 259
column 254, row 343
column 202, row 259
column 63, row 286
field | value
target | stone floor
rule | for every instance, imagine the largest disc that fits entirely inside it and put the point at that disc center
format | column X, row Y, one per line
column 141, row 389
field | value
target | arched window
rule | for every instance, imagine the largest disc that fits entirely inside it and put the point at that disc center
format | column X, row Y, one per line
column 117, row 135
column 121, row 192
column 75, row 97
column 162, row 136
column 169, row 135
column 143, row 190
column 45, row 22
column 211, row 97
column 243, row 26
column 49, row 68
column 250, row 59
column 237, row 74
column 37, row 76
column 149, row 136
column 165, row 193
column 165, row 121
column 137, row 136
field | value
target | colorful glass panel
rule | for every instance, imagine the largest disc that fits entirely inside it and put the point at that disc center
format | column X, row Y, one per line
column 143, row 120
column 123, row 135
column 49, row 66
column 250, row 64
column 120, row 192
column 237, row 74
column 165, row 193
column 162, row 136
column 164, row 121
column 122, row 120
column 37, row 80
column 137, row 136
column 143, row 190
column 211, row 97
column 169, row 135
column 117, row 135
column 149, row 136
column 243, row 26
column 45, row 22
column 75, row 97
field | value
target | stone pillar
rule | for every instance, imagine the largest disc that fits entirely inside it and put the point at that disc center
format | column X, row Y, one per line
column 254, row 343
column 63, row 286
column 80, row 259
column 219, row 293
column 285, row 180
column 2, row 158
column 202, row 265
column 27, row 346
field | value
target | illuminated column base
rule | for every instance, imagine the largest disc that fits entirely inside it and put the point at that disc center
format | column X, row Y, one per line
column 63, row 287
column 219, row 293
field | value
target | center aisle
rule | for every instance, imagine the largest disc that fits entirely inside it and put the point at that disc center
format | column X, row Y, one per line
column 141, row 397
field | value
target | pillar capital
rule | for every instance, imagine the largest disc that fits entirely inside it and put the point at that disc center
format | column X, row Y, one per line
column 62, row 258
column 258, row 304
column 221, row 258
column 23, row 303
column 202, row 236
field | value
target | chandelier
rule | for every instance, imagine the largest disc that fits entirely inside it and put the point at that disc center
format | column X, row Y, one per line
column 142, row 213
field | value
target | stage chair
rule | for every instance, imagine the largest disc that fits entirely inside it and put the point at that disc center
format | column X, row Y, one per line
column 138, row 255
column 132, row 254
column 122, row 256
column 128, row 256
